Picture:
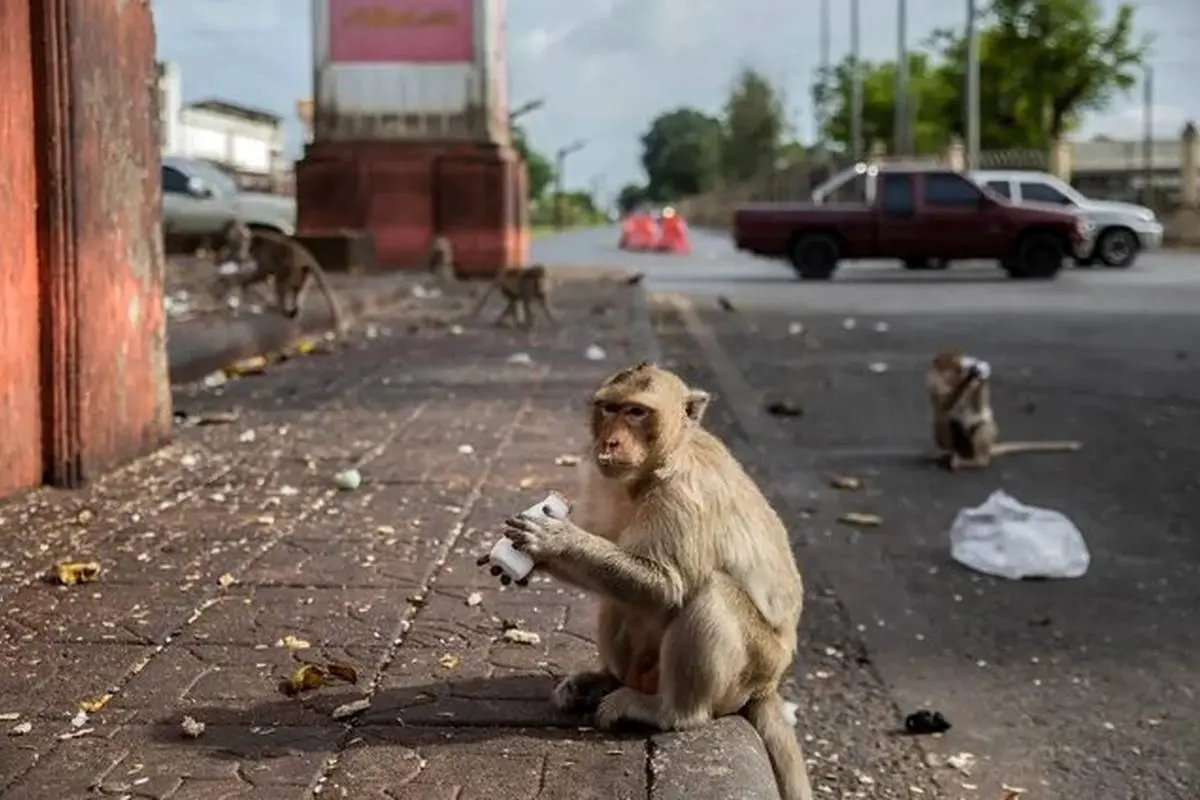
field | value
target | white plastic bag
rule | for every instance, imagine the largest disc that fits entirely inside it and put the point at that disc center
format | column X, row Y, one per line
column 1008, row 539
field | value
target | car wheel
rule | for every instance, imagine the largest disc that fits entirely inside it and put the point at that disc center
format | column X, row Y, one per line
column 1039, row 257
column 815, row 257
column 1118, row 248
column 917, row 264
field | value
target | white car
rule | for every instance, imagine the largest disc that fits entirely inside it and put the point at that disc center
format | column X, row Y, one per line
column 1122, row 230
column 198, row 199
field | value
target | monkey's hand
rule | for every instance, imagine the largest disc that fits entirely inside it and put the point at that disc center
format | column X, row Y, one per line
column 543, row 538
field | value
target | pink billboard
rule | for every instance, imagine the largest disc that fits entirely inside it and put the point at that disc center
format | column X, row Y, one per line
column 401, row 31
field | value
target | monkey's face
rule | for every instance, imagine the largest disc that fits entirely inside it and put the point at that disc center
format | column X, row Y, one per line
column 945, row 372
column 622, row 437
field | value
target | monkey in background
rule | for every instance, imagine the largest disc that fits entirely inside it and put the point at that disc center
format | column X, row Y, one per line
column 521, row 289
column 439, row 261
column 274, row 256
column 700, row 595
column 964, row 424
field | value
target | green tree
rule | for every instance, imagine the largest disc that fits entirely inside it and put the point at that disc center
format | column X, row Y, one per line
column 753, row 127
column 928, row 98
column 630, row 197
column 538, row 167
column 1045, row 63
column 1042, row 65
column 681, row 153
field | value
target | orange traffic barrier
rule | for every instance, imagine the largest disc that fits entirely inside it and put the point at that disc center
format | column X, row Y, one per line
column 673, row 237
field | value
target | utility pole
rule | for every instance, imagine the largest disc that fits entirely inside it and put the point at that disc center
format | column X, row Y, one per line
column 825, row 46
column 900, row 125
column 1148, row 136
column 560, row 163
column 972, row 109
column 856, row 99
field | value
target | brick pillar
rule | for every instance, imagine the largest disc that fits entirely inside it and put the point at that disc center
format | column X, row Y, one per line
column 105, row 389
column 1189, row 161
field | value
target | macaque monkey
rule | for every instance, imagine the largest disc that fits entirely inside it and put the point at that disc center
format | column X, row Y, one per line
column 964, row 424
column 440, row 260
column 521, row 288
column 700, row 596
column 274, row 256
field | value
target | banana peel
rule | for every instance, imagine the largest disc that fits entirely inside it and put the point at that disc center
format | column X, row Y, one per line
column 309, row 677
column 70, row 573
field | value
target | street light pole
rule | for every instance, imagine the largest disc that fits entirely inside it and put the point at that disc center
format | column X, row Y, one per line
column 901, row 122
column 525, row 108
column 560, row 163
column 856, row 98
column 972, row 109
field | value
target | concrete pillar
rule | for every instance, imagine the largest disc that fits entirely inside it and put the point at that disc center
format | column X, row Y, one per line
column 956, row 154
column 411, row 139
column 83, row 369
column 1189, row 161
column 1060, row 159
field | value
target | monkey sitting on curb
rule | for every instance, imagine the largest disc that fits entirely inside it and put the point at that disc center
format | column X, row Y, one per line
column 521, row 289
column 273, row 256
column 692, row 567
column 964, row 425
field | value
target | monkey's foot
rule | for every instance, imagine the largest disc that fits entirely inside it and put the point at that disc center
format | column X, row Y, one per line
column 628, row 705
column 582, row 692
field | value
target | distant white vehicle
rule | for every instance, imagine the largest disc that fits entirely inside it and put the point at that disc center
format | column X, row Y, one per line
column 199, row 199
column 1122, row 230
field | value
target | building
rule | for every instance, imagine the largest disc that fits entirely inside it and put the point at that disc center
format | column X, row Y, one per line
column 248, row 142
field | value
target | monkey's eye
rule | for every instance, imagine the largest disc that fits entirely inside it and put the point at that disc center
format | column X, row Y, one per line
column 637, row 413
column 610, row 408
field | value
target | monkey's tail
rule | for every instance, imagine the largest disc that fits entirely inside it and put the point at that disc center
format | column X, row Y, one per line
column 767, row 717
column 335, row 306
column 1010, row 448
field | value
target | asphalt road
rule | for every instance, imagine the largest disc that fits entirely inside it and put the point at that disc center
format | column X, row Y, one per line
column 1068, row 689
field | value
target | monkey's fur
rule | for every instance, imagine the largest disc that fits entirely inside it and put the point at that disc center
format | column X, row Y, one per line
column 964, row 425
column 521, row 289
column 440, row 260
column 289, row 265
column 692, row 567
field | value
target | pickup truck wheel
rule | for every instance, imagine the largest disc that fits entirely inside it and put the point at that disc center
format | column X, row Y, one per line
column 1117, row 248
column 815, row 257
column 1039, row 256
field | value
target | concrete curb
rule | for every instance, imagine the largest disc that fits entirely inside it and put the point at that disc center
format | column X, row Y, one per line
column 198, row 347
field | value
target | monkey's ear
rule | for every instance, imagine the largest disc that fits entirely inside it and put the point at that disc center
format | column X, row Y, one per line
column 696, row 404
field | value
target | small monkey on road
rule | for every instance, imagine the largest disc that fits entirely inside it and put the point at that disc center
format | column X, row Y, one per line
column 521, row 289
column 700, row 593
column 964, row 425
column 274, row 256
column 440, row 260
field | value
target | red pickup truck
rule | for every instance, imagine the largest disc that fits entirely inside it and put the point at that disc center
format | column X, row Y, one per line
column 921, row 216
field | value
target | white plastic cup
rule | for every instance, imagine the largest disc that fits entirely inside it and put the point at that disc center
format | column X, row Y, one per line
column 507, row 557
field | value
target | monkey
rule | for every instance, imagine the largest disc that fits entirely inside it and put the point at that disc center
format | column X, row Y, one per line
column 289, row 265
column 964, row 425
column 440, row 260
column 700, row 595
column 521, row 288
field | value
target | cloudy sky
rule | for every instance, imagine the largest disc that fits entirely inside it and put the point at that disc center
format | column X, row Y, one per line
column 606, row 67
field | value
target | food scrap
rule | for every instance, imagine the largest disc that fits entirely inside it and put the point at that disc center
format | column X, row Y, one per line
column 350, row 709
column 293, row 643
column 847, row 482
column 861, row 520
column 308, row 677
column 92, row 706
column 518, row 636
column 192, row 728
column 70, row 573
column 449, row 661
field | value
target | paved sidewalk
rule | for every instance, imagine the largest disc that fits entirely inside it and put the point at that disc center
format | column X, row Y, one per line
column 235, row 538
